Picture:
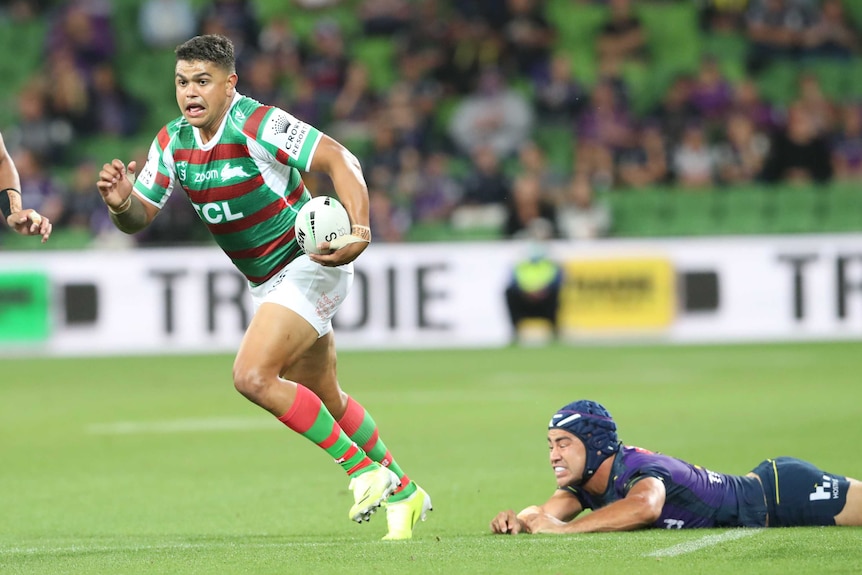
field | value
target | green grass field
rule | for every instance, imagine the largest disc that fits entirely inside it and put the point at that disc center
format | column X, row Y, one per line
column 156, row 465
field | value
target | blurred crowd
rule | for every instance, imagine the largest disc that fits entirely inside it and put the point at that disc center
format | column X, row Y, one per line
column 451, row 132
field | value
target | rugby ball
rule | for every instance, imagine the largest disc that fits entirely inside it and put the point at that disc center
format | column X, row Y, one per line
column 321, row 219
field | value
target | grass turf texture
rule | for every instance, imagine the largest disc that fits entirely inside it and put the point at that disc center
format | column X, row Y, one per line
column 156, row 465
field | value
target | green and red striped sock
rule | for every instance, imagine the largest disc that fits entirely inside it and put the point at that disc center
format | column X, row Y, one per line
column 360, row 426
column 308, row 417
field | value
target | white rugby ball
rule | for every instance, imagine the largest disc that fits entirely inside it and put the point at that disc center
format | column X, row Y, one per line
column 321, row 219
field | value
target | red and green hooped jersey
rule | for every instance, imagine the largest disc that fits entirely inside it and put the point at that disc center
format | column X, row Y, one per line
column 244, row 183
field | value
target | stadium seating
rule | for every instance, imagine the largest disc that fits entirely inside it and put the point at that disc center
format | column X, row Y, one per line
column 844, row 208
column 558, row 144
column 576, row 34
column 21, row 46
column 672, row 32
column 378, row 56
column 639, row 213
column 756, row 209
column 676, row 44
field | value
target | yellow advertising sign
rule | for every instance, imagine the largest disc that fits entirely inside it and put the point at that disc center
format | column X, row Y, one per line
column 631, row 294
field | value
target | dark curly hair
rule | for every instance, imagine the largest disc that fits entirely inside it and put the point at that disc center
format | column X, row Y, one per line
column 213, row 48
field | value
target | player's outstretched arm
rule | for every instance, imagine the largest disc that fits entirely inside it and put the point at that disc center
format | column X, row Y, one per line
column 507, row 523
column 127, row 211
column 640, row 508
column 561, row 507
column 25, row 222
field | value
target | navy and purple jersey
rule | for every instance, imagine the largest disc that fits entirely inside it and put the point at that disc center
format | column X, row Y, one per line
column 244, row 183
column 695, row 496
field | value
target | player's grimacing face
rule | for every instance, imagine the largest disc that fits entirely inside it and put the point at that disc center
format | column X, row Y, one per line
column 204, row 91
column 567, row 455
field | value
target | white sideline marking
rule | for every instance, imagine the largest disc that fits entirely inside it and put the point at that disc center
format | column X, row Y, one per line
column 707, row 541
column 182, row 425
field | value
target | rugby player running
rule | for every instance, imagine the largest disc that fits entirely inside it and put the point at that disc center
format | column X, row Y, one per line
column 239, row 163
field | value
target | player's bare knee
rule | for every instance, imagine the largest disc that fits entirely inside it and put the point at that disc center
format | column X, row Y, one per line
column 252, row 383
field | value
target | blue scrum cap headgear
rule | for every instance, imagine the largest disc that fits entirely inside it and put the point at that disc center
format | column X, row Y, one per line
column 593, row 425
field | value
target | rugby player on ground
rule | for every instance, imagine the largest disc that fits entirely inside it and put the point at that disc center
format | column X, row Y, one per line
column 631, row 488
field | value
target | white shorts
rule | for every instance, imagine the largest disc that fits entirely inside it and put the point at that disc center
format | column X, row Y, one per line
column 313, row 291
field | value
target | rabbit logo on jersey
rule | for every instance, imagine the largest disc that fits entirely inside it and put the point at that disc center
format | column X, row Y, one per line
column 296, row 134
column 228, row 172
